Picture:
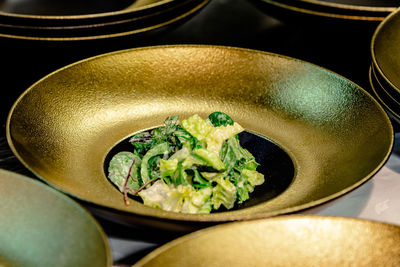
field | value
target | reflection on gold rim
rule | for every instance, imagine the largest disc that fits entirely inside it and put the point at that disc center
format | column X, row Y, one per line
column 349, row 6
column 367, row 17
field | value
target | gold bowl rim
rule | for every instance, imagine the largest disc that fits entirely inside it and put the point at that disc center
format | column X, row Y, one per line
column 381, row 12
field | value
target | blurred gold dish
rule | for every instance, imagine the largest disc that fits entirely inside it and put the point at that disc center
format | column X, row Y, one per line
column 66, row 12
column 94, row 28
column 385, row 53
column 344, row 10
column 284, row 241
column 318, row 134
column 385, row 99
column 40, row 226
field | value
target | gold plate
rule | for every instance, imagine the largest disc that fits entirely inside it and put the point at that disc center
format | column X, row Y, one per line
column 284, row 241
column 39, row 226
column 63, row 127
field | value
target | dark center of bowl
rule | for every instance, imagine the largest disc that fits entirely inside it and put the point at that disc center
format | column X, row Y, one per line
column 275, row 164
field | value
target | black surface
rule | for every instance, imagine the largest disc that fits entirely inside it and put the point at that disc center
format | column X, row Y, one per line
column 275, row 164
column 342, row 47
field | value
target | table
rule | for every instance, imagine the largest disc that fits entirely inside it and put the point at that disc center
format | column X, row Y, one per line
column 343, row 48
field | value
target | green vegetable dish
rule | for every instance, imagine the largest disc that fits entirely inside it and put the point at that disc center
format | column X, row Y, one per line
column 193, row 166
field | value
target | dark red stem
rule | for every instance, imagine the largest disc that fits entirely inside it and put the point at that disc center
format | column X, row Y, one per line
column 144, row 185
column 126, row 183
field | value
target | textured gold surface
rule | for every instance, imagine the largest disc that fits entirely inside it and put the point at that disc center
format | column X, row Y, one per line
column 284, row 241
column 39, row 226
column 63, row 126
column 385, row 50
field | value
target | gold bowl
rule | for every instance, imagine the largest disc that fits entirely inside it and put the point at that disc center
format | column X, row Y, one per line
column 40, row 226
column 284, row 241
column 47, row 13
column 385, row 53
column 167, row 13
column 388, row 101
column 335, row 135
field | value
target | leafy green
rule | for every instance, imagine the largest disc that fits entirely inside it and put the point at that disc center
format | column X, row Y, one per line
column 241, row 166
column 224, row 193
column 218, row 135
column 198, row 181
column 181, row 154
column 210, row 158
column 155, row 194
column 141, row 142
column 201, row 163
column 160, row 149
column 197, row 127
column 218, row 118
column 184, row 137
column 119, row 168
column 178, row 199
column 180, row 177
column 253, row 177
column 144, row 141
column 206, row 207
column 168, row 167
